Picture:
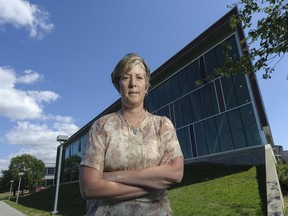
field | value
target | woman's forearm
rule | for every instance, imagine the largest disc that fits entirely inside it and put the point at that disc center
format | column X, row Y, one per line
column 160, row 177
column 92, row 186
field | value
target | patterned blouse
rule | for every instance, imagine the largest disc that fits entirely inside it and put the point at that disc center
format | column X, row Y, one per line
column 113, row 145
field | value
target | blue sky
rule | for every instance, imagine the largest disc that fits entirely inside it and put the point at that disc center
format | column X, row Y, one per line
column 57, row 56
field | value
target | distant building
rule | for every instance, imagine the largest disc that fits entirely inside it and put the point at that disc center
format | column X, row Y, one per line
column 285, row 153
column 279, row 153
column 49, row 174
column 48, row 179
column 221, row 117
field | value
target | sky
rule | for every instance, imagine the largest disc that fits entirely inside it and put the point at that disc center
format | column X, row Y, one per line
column 56, row 58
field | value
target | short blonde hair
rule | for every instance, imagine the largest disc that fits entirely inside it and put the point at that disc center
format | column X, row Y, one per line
column 125, row 65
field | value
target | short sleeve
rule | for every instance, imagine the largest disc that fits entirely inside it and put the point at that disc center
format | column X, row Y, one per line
column 94, row 151
column 169, row 137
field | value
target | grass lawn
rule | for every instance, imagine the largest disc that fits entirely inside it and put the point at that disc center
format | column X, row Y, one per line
column 205, row 190
column 235, row 194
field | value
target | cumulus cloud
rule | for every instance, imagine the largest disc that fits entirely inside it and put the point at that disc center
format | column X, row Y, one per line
column 22, row 14
column 38, row 135
column 39, row 139
column 18, row 104
column 32, row 131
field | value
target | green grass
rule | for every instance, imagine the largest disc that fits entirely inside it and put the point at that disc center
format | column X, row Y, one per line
column 205, row 190
column 233, row 194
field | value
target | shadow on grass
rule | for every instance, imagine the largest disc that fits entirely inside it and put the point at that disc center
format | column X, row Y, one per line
column 201, row 172
column 69, row 201
column 261, row 179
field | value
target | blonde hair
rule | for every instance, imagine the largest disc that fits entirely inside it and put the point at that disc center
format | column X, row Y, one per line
column 125, row 65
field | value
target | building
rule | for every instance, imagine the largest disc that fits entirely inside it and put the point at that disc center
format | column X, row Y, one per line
column 218, row 118
column 49, row 174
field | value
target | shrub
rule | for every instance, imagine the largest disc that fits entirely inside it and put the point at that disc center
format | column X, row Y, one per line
column 282, row 170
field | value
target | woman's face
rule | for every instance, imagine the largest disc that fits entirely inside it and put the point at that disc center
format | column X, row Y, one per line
column 133, row 87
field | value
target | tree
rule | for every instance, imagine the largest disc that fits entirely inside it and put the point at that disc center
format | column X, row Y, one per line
column 5, row 181
column 33, row 171
column 267, row 42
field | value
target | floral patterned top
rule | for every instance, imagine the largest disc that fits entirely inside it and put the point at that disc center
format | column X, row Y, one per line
column 113, row 145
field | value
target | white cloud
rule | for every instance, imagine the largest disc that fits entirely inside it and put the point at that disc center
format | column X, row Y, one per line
column 18, row 104
column 29, row 77
column 39, row 139
column 33, row 132
column 22, row 14
column 43, row 96
column 4, row 163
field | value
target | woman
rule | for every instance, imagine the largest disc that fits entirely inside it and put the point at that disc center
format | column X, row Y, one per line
column 131, row 156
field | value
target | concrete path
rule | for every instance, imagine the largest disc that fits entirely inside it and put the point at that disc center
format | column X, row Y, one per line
column 7, row 210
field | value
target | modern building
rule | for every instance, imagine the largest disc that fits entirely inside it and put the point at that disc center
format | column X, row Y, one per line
column 220, row 117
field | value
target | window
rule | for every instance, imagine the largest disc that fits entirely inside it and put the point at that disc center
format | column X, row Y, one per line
column 176, row 86
column 197, row 112
column 208, row 100
column 210, row 61
column 161, row 96
column 165, row 111
column 50, row 171
column 201, row 141
column 83, row 141
column 237, row 131
column 250, row 126
column 192, row 139
column 212, row 135
column 241, row 89
column 75, row 147
column 183, row 137
column 224, row 133
column 229, row 92
column 168, row 91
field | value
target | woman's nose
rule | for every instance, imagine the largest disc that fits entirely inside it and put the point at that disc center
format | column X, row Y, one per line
column 132, row 81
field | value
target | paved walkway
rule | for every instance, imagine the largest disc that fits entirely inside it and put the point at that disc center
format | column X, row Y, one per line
column 7, row 210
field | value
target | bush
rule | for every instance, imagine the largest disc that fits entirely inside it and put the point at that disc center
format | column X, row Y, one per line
column 282, row 170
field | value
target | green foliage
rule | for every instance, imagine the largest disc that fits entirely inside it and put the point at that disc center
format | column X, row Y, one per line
column 32, row 169
column 282, row 170
column 5, row 181
column 267, row 41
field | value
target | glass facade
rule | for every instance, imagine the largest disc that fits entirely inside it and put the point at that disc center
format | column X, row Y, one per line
column 212, row 118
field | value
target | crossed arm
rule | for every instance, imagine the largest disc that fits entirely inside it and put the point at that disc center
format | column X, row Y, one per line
column 129, row 184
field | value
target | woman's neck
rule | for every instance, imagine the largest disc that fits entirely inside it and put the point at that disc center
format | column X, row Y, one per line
column 134, row 116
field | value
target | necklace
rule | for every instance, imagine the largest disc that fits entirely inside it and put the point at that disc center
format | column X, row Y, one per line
column 135, row 129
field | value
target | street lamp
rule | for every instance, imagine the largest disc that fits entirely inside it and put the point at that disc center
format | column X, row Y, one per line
column 20, row 174
column 61, row 139
column 11, row 184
